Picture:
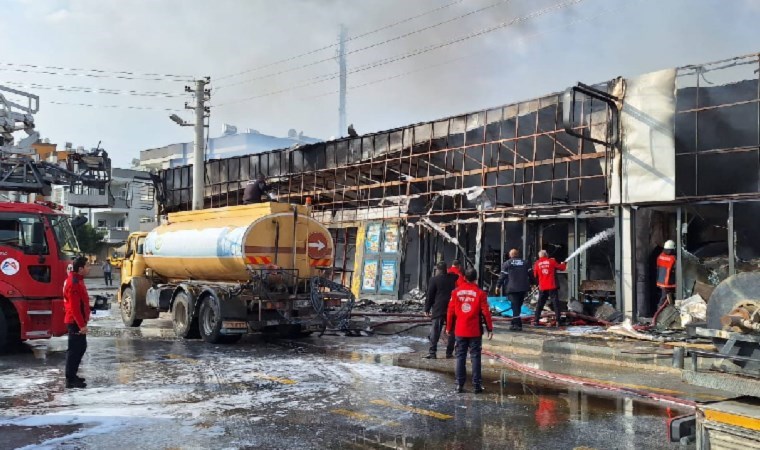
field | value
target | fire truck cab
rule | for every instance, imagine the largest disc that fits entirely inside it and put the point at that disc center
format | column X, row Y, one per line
column 37, row 242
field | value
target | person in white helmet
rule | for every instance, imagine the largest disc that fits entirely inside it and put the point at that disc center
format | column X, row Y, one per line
column 666, row 273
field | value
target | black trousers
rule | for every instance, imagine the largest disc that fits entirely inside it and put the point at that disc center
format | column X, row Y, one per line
column 108, row 279
column 474, row 346
column 517, row 299
column 435, row 335
column 77, row 347
column 543, row 297
column 664, row 292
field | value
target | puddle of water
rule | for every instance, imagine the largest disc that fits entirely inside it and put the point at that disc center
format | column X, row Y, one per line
column 16, row 436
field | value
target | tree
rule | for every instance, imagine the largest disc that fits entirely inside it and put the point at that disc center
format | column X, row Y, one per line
column 89, row 238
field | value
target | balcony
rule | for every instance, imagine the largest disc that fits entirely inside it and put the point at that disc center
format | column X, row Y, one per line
column 114, row 235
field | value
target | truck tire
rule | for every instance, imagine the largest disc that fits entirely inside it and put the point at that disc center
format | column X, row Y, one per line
column 10, row 329
column 210, row 323
column 4, row 333
column 210, row 320
column 128, row 307
column 183, row 320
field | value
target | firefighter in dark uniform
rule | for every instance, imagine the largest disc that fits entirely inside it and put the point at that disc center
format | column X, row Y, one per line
column 255, row 190
column 666, row 274
column 515, row 281
column 436, row 306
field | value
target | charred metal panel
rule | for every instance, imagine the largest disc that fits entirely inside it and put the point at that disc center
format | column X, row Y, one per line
column 717, row 128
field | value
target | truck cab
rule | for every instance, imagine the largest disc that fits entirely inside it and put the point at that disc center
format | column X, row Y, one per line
column 37, row 242
column 133, row 271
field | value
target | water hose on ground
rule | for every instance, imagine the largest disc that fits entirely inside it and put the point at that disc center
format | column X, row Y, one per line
column 575, row 381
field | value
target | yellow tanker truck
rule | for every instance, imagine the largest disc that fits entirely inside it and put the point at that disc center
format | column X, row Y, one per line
column 224, row 272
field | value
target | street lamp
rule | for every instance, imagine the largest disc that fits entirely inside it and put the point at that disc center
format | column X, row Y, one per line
column 178, row 120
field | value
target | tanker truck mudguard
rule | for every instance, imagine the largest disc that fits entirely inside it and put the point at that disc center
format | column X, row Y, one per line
column 225, row 272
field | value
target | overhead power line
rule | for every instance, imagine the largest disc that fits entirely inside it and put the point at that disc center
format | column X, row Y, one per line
column 91, row 73
column 92, row 90
column 371, row 46
column 90, row 105
column 417, row 52
column 350, row 38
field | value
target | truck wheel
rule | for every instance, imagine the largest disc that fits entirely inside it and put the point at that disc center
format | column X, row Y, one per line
column 210, row 321
column 185, row 325
column 4, row 332
column 10, row 329
column 129, row 309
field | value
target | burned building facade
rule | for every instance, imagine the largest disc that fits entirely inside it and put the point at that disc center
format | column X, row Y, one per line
column 673, row 154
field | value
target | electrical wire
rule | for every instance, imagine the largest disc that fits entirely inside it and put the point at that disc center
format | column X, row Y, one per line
column 89, row 105
column 49, row 70
column 368, row 47
column 417, row 52
column 91, row 90
column 350, row 38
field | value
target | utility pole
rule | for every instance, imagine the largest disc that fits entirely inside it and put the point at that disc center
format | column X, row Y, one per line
column 342, row 63
column 202, row 95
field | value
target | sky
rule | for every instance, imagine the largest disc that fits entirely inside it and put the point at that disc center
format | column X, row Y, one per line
column 400, row 70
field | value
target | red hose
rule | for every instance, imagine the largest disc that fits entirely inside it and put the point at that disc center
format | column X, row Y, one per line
column 360, row 314
column 571, row 380
column 588, row 318
column 659, row 310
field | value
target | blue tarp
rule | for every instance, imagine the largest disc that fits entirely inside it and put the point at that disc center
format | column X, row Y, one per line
column 503, row 307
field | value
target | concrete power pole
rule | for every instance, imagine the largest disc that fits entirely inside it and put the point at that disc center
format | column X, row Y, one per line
column 199, row 154
column 342, row 62
column 202, row 95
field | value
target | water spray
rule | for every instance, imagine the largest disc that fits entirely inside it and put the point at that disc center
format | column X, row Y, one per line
column 603, row 236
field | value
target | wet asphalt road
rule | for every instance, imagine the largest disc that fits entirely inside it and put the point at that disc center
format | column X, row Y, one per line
column 166, row 393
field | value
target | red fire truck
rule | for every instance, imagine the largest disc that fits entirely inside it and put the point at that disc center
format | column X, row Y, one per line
column 36, row 244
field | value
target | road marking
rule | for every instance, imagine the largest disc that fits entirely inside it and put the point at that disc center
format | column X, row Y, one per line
column 411, row 409
column 365, row 417
column 264, row 376
column 182, row 358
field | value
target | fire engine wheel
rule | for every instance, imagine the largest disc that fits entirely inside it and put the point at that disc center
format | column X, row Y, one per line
column 10, row 328
column 129, row 309
column 210, row 323
column 185, row 325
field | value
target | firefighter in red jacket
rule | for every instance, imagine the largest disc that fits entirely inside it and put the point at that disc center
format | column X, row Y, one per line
column 545, row 270
column 76, row 303
column 666, row 278
column 468, row 306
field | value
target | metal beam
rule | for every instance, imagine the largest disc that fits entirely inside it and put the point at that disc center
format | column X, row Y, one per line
column 679, row 253
column 731, row 241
